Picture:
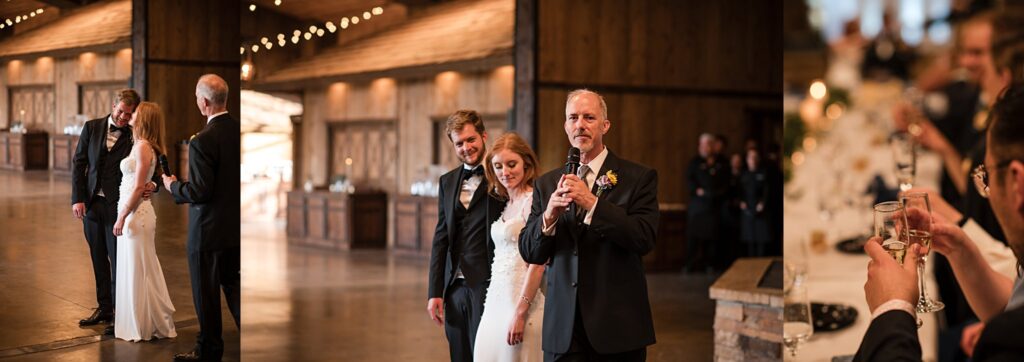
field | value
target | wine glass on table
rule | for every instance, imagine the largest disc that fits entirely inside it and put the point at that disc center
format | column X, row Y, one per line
column 919, row 226
column 797, row 325
column 904, row 154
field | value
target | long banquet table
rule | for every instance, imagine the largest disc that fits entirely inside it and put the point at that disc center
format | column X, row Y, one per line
column 825, row 195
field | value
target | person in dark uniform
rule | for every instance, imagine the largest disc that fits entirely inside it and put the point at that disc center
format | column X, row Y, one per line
column 755, row 225
column 708, row 181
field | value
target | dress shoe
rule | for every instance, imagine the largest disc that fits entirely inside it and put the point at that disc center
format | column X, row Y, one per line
column 109, row 331
column 98, row 316
column 192, row 355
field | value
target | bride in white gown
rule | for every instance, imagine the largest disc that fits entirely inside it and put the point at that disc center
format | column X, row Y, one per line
column 144, row 308
column 511, row 326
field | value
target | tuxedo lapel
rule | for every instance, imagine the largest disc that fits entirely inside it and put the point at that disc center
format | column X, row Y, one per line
column 452, row 190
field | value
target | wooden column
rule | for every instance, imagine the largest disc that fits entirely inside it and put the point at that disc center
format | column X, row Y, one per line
column 173, row 44
column 525, row 60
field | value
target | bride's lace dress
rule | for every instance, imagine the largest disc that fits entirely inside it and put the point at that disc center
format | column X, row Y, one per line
column 143, row 308
column 508, row 273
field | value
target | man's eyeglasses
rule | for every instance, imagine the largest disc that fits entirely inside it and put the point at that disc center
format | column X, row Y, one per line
column 980, row 176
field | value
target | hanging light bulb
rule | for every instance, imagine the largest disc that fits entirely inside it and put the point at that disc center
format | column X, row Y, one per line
column 263, row 40
column 307, row 35
column 366, row 15
column 355, row 20
column 281, row 42
column 255, row 48
column 378, row 10
column 320, row 32
column 252, row 7
column 312, row 28
column 277, row 2
column 269, row 45
column 243, row 50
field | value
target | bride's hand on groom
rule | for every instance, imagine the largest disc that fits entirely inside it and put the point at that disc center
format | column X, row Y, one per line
column 515, row 329
column 435, row 308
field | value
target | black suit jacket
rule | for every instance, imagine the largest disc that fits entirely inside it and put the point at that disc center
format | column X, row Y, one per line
column 85, row 173
column 443, row 253
column 893, row 337
column 212, row 187
column 599, row 266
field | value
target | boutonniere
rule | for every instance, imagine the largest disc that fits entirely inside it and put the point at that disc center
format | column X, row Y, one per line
column 607, row 182
column 192, row 138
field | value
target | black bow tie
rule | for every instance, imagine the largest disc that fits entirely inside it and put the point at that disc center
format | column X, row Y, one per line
column 126, row 128
column 477, row 171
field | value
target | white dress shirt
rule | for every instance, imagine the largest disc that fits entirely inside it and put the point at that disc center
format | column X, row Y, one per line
column 210, row 118
column 467, row 189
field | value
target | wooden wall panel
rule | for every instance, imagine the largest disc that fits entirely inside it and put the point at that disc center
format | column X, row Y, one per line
column 663, row 43
column 669, row 70
column 414, row 103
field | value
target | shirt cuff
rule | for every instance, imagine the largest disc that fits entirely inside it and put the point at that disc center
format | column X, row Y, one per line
column 590, row 213
column 894, row 304
column 547, row 230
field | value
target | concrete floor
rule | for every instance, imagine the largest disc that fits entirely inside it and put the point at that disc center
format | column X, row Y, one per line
column 305, row 304
column 47, row 283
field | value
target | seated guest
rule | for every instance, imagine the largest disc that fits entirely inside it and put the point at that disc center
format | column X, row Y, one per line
column 891, row 289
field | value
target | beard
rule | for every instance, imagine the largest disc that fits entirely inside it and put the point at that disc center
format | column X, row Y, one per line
column 478, row 153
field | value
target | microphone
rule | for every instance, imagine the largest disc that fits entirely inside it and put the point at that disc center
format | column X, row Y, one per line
column 572, row 165
column 163, row 164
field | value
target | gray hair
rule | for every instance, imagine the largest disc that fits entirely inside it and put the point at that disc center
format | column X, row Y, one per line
column 213, row 88
column 707, row 136
column 579, row 92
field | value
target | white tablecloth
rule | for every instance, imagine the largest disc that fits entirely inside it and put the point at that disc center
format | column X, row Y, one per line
column 833, row 276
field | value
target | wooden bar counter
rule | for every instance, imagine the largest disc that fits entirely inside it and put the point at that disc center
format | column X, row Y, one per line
column 337, row 221
column 64, row 146
column 24, row 151
column 414, row 224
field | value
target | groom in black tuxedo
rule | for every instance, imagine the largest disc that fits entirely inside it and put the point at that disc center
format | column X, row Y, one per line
column 95, row 191
column 460, row 259
column 594, row 227
column 213, row 217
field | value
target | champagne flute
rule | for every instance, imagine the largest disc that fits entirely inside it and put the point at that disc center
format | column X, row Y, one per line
column 904, row 154
column 891, row 226
column 797, row 326
column 919, row 222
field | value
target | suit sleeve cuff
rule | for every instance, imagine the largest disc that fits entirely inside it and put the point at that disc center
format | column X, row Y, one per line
column 590, row 213
column 547, row 230
column 894, row 304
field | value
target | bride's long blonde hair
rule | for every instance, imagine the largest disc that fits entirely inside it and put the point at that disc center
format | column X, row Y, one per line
column 149, row 125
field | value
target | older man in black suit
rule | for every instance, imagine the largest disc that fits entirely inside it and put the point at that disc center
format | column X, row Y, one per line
column 213, row 216
column 594, row 227
column 891, row 289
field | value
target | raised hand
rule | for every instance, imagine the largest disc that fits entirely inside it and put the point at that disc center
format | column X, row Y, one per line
column 887, row 279
column 557, row 203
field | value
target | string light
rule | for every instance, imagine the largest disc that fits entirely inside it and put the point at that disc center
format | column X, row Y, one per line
column 18, row 19
column 299, row 34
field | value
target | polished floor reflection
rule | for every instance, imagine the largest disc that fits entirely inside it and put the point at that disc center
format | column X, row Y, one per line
column 306, row 304
column 47, row 282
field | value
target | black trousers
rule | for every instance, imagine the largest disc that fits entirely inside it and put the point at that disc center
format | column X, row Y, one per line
column 212, row 271
column 463, row 307
column 581, row 350
column 98, row 223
